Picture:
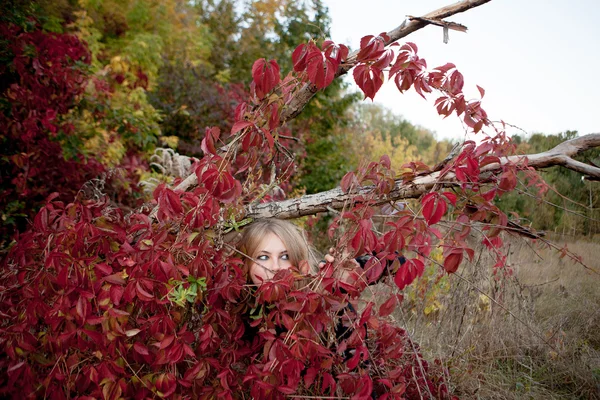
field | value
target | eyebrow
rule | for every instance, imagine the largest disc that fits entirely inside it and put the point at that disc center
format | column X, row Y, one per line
column 266, row 252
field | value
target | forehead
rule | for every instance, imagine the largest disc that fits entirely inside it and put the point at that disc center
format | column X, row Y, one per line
column 271, row 243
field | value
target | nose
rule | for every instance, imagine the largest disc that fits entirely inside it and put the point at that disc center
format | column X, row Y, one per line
column 276, row 266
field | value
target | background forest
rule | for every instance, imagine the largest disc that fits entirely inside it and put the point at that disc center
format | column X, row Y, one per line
column 90, row 89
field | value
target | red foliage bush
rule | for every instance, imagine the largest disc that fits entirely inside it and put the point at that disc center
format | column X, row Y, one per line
column 98, row 304
column 95, row 304
column 40, row 86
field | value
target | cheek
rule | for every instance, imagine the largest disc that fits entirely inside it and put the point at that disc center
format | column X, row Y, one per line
column 304, row 267
column 257, row 272
column 285, row 264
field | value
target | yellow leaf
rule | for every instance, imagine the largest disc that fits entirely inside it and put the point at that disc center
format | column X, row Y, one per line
column 132, row 332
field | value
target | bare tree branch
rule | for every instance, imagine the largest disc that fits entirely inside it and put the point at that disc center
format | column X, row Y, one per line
column 336, row 199
column 306, row 93
column 562, row 153
column 295, row 107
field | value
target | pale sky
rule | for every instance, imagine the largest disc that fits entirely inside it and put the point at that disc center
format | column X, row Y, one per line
column 538, row 60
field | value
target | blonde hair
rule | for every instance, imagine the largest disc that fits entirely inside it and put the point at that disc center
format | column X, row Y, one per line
column 292, row 237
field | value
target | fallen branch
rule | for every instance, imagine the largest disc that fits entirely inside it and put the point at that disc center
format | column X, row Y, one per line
column 336, row 199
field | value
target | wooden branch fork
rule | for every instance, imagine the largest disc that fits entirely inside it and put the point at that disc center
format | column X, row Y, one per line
column 336, row 199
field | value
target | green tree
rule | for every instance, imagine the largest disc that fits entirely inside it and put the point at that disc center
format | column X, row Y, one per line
column 383, row 128
column 571, row 205
column 194, row 98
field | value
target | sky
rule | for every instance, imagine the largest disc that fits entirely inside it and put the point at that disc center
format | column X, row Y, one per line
column 538, row 60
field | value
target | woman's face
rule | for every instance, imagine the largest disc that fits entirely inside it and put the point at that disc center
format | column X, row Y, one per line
column 272, row 256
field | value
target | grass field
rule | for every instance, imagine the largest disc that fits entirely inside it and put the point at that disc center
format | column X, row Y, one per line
column 534, row 334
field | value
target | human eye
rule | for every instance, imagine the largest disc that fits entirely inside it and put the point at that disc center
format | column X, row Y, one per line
column 262, row 257
column 285, row 257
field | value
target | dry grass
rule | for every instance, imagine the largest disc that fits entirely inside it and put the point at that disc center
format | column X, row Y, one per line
column 532, row 335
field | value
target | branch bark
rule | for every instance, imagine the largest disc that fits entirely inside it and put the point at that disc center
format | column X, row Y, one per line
column 337, row 200
column 307, row 92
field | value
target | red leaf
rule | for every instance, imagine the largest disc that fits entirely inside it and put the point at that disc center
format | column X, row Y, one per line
column 440, row 210
column 456, row 82
column 446, row 67
column 366, row 314
column 163, row 344
column 404, row 80
column 169, row 202
column 269, row 137
column 373, row 269
column 116, row 292
column 188, row 350
column 274, row 118
column 508, row 180
column 394, row 240
column 141, row 349
column 384, row 60
column 265, row 76
column 166, row 384
column 452, row 261
column 421, row 86
column 328, row 383
column 369, row 79
column 348, row 182
column 240, row 111
column 238, row 126
column 428, row 202
column 477, row 127
column 488, row 160
column 215, row 176
column 408, row 272
column 353, row 362
column 406, row 54
column 388, row 306
column 366, row 389
column 481, row 91
column 208, row 143
column 336, row 53
column 371, row 47
column 321, row 70
column 142, row 294
column 495, row 242
column 385, row 161
column 451, row 197
column 309, row 376
column 445, row 105
column 470, row 252
column 299, row 57
column 116, row 279
column 418, row 265
column 175, row 354
column 489, row 195
column 81, row 308
column 433, row 208
column 115, row 312
column 364, row 240
column 103, row 269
